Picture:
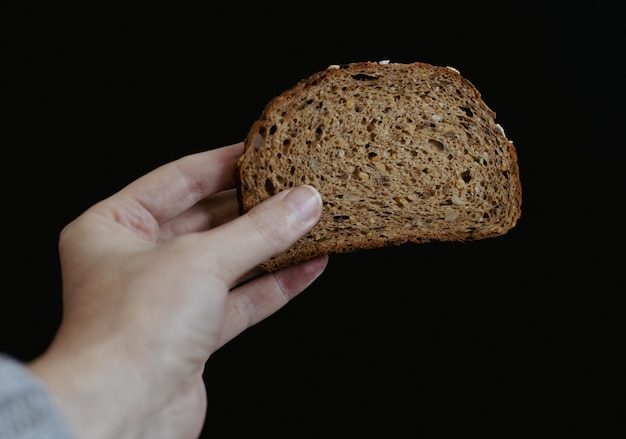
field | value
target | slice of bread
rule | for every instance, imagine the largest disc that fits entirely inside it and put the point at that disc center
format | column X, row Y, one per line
column 399, row 153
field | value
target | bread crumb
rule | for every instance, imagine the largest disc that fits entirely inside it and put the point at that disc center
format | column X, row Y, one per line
column 453, row 69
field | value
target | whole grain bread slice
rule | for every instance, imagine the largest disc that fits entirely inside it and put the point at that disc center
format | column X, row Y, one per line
column 399, row 153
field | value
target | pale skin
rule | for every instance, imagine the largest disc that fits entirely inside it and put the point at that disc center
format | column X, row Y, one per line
column 156, row 278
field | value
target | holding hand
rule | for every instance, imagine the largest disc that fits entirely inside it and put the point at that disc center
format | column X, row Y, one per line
column 156, row 278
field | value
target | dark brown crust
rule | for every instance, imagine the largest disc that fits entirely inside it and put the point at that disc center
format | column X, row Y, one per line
column 238, row 188
column 326, row 247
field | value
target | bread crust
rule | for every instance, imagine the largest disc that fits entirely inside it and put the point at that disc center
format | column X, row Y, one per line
column 399, row 152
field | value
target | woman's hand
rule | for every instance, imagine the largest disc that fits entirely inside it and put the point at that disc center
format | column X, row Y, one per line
column 155, row 279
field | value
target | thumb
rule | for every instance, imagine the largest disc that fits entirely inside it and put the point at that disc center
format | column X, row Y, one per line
column 268, row 229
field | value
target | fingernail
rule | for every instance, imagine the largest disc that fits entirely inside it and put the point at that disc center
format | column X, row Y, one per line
column 306, row 201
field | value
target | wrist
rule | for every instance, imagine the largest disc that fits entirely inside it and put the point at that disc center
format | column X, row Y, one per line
column 95, row 397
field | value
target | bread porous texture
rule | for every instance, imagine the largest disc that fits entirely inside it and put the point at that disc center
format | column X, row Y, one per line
column 399, row 153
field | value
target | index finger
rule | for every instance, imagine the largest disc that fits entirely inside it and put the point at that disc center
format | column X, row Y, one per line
column 176, row 186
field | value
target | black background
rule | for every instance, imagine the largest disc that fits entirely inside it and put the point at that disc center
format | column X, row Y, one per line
column 493, row 338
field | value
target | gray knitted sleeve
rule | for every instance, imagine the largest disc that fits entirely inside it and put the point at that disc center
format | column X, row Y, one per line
column 26, row 409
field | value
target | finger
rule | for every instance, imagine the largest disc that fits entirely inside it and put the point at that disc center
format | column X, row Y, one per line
column 248, row 276
column 176, row 186
column 204, row 215
column 268, row 229
column 260, row 298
